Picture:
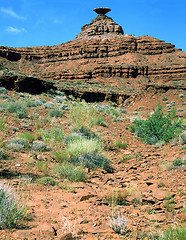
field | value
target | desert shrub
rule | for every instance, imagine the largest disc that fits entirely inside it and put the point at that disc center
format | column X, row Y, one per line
column 113, row 112
column 178, row 162
column 64, row 107
column 18, row 109
column 91, row 160
column 117, row 197
column 164, row 98
column 120, row 144
column 118, row 223
column 59, row 99
column 125, row 158
column 83, row 115
column 179, row 233
column 53, row 135
column 30, row 103
column 60, row 156
column 11, row 209
column 2, row 106
column 17, row 144
column 55, row 113
column 39, row 146
column 48, row 105
column 159, row 127
column 3, row 90
column 69, row 171
column 42, row 166
column 29, row 137
column 75, row 136
column 85, row 132
column 83, row 146
column 2, row 125
column 47, row 181
column 3, row 154
column 97, row 121
column 87, row 152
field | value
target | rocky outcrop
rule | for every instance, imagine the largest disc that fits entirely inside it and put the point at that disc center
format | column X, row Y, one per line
column 100, row 54
column 101, row 26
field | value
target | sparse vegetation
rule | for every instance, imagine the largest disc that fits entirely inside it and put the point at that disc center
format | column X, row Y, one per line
column 17, row 144
column 125, row 158
column 2, row 125
column 29, row 137
column 18, row 109
column 52, row 136
column 42, row 166
column 117, row 197
column 83, row 146
column 47, row 181
column 12, row 211
column 118, row 223
column 68, row 146
column 55, row 113
column 178, row 233
column 69, row 171
column 120, row 144
column 84, row 115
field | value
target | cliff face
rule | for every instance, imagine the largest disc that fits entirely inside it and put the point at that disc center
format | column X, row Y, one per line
column 102, row 55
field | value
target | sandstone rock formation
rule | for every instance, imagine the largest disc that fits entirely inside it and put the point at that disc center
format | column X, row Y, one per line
column 103, row 26
column 101, row 60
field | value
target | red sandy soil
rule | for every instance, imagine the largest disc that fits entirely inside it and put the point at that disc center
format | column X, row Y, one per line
column 146, row 177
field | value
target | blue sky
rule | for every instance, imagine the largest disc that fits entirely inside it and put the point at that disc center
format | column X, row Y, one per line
column 50, row 22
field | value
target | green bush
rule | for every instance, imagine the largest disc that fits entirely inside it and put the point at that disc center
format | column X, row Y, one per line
column 47, row 181
column 178, row 233
column 11, row 209
column 18, row 109
column 84, row 115
column 83, row 146
column 17, row 144
column 55, row 113
column 86, row 133
column 31, row 103
column 60, row 156
column 164, row 98
column 117, row 197
column 91, row 160
column 42, row 166
column 29, row 137
column 2, row 125
column 3, row 154
column 120, row 144
column 69, row 171
column 159, row 127
column 126, row 158
column 87, row 153
column 53, row 135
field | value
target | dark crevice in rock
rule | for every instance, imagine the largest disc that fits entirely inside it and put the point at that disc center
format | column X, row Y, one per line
column 28, row 84
column 10, row 55
column 97, row 96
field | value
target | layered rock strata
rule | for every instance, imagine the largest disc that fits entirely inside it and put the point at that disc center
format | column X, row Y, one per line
column 101, row 54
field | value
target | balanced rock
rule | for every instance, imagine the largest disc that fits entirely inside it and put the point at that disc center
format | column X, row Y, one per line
column 102, row 26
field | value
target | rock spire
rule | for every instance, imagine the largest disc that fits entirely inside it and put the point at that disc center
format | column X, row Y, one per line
column 101, row 27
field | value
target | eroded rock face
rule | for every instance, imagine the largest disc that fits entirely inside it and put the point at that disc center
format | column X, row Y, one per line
column 100, row 59
column 101, row 26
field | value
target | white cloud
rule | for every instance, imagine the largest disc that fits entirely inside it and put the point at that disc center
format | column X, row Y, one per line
column 11, row 13
column 15, row 30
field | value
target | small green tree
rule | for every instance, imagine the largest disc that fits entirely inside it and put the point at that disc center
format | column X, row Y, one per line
column 159, row 127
